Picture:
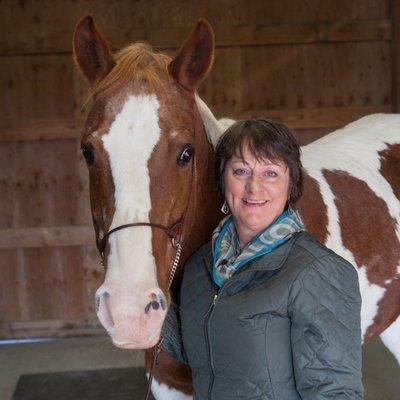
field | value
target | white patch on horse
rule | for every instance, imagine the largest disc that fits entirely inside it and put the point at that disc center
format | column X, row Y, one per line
column 129, row 144
column 163, row 392
column 214, row 128
column 369, row 305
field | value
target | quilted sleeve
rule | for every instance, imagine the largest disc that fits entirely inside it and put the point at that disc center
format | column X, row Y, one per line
column 172, row 337
column 324, row 306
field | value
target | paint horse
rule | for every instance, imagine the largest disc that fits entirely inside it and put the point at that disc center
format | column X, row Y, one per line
column 148, row 146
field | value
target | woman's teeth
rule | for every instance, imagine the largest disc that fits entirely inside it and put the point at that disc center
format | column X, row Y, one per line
column 255, row 202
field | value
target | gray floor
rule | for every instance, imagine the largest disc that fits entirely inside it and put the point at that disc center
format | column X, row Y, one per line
column 381, row 371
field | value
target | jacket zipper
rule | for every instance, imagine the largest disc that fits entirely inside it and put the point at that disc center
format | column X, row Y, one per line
column 209, row 350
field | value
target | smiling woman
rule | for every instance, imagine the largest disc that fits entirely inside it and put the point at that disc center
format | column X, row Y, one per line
column 281, row 312
column 258, row 181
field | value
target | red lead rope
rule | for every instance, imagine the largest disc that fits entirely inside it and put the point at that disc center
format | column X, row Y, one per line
column 157, row 348
column 156, row 351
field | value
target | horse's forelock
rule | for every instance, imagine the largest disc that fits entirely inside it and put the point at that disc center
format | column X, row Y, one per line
column 137, row 66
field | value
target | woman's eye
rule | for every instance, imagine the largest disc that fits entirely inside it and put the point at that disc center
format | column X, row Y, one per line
column 271, row 174
column 240, row 172
column 186, row 155
column 87, row 153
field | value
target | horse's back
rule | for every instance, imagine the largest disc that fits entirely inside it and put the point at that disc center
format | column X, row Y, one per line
column 354, row 207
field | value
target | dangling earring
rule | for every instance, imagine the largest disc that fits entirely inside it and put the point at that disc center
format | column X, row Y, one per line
column 225, row 208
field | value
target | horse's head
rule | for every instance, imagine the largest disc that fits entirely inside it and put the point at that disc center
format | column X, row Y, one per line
column 148, row 158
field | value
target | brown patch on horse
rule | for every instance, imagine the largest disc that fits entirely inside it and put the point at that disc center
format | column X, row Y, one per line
column 388, row 310
column 379, row 250
column 186, row 200
column 171, row 372
column 91, row 51
column 313, row 210
column 390, row 166
column 101, row 184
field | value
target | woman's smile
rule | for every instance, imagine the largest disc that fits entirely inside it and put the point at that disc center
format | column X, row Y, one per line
column 256, row 192
column 254, row 203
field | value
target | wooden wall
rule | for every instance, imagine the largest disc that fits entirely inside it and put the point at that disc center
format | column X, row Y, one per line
column 315, row 65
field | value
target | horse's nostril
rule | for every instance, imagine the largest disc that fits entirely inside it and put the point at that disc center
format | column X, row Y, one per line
column 97, row 303
column 162, row 302
column 147, row 308
column 155, row 305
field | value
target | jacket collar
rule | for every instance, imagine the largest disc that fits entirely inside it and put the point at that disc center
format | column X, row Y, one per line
column 268, row 262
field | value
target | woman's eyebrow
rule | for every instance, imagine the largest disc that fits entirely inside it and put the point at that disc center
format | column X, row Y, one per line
column 241, row 160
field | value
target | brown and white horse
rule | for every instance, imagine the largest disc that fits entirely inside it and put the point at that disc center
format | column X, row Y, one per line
column 148, row 146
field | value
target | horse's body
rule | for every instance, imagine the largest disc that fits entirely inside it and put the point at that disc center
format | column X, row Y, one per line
column 139, row 141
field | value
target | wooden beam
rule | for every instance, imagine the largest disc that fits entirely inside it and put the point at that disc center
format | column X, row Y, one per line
column 51, row 328
column 46, row 237
column 226, row 35
column 315, row 117
column 340, row 31
column 294, row 118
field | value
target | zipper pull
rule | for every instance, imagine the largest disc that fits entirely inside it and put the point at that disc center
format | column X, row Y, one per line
column 215, row 299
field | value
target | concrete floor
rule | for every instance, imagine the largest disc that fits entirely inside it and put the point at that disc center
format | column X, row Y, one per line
column 381, row 371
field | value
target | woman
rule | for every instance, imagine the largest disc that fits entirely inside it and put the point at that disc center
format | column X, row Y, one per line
column 266, row 312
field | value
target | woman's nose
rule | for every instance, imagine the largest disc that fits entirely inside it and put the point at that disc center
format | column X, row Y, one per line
column 253, row 184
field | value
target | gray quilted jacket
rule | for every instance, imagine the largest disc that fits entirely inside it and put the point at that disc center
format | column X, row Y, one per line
column 285, row 327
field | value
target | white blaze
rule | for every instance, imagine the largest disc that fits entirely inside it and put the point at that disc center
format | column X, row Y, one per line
column 129, row 144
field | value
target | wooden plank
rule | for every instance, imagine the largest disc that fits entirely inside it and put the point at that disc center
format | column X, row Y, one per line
column 41, row 129
column 36, row 86
column 315, row 118
column 296, row 118
column 248, row 35
column 395, row 54
column 43, row 183
column 46, row 237
column 315, row 76
column 307, row 136
column 261, row 12
column 46, row 283
column 51, row 328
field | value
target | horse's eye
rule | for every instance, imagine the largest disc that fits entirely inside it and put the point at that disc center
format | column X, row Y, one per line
column 87, row 152
column 186, row 155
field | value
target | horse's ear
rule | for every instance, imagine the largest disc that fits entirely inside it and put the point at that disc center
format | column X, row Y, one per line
column 91, row 51
column 195, row 58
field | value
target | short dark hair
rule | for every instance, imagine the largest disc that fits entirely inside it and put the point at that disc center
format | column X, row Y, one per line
column 265, row 139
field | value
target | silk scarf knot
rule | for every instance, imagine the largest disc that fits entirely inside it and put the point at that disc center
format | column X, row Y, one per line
column 227, row 257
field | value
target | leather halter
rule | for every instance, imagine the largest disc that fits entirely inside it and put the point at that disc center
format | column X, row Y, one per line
column 174, row 232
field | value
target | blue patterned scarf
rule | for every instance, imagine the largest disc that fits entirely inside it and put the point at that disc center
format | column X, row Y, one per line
column 227, row 257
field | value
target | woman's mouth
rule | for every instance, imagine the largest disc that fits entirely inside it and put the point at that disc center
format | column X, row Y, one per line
column 251, row 202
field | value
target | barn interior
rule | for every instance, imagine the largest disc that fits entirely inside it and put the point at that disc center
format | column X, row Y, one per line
column 314, row 65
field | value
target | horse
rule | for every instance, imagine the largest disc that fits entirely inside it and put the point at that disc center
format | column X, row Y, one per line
column 148, row 145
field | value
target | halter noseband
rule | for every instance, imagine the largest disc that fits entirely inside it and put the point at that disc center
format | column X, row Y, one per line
column 174, row 232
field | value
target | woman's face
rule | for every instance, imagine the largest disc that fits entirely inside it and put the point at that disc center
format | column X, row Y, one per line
column 256, row 192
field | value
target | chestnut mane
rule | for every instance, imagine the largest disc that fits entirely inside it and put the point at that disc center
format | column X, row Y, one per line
column 137, row 66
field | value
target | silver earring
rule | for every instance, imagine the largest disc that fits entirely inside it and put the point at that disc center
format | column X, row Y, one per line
column 225, row 208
